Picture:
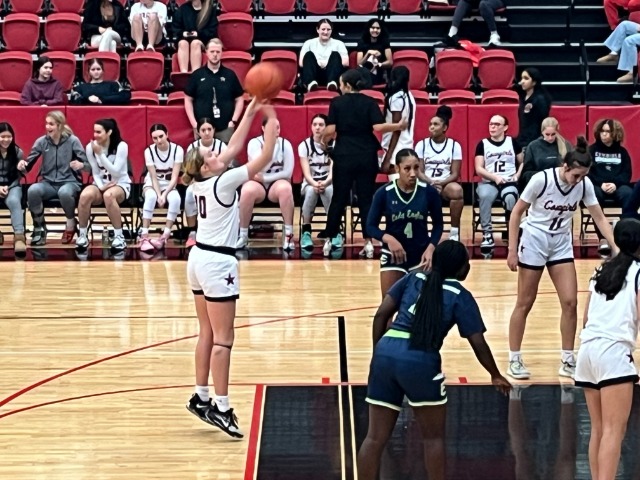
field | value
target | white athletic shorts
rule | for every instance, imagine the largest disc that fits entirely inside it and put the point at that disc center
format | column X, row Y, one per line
column 603, row 362
column 538, row 249
column 213, row 274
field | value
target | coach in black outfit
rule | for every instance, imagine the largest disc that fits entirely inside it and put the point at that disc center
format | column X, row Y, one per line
column 353, row 117
column 214, row 91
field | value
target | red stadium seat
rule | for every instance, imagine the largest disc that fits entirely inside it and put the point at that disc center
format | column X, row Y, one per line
column 319, row 97
column 62, row 31
column 144, row 98
column 499, row 95
column 287, row 62
column 454, row 69
column 25, row 6
column 110, row 61
column 496, row 69
column 17, row 68
column 180, row 79
column 236, row 31
column 145, row 70
column 67, row 6
column 362, row 7
column 406, row 7
column 8, row 99
column 440, row 6
column 284, row 98
column 279, row 7
column 239, row 62
column 21, row 31
column 421, row 97
column 376, row 95
column 235, row 6
column 418, row 64
column 572, row 120
column 321, row 7
column 64, row 68
column 175, row 98
column 456, row 97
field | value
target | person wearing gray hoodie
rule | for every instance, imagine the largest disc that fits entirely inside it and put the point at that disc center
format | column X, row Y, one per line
column 63, row 159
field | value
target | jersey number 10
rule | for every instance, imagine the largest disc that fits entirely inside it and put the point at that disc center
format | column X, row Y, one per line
column 202, row 206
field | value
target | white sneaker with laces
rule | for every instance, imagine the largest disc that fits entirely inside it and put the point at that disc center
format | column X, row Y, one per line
column 118, row 243
column 242, row 241
column 82, row 241
column 367, row 250
column 288, row 243
column 517, row 369
column 568, row 368
column 494, row 39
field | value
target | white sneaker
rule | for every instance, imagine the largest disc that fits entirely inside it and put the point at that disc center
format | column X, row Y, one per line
column 326, row 248
column 367, row 250
column 494, row 39
column 454, row 235
column 118, row 243
column 604, row 250
column 287, row 242
column 312, row 86
column 517, row 369
column 568, row 369
column 82, row 241
column 487, row 240
column 242, row 241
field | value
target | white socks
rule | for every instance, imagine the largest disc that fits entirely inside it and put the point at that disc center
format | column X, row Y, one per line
column 515, row 355
column 222, row 403
column 203, row 393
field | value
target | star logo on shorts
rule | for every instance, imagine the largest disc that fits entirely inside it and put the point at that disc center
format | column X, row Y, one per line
column 630, row 355
column 230, row 279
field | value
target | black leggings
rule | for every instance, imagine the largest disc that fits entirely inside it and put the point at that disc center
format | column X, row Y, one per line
column 346, row 171
column 487, row 10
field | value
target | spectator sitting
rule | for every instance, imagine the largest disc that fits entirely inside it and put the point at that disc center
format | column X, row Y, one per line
column 147, row 19
column 535, row 104
column 323, row 59
column 105, row 24
column 612, row 10
column 374, row 51
column 623, row 43
column 194, row 24
column 98, row 91
column 10, row 188
column 42, row 89
column 548, row 151
column 611, row 169
column 487, row 10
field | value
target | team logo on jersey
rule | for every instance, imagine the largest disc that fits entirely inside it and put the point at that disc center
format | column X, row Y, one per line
column 384, row 259
column 549, row 205
column 409, row 214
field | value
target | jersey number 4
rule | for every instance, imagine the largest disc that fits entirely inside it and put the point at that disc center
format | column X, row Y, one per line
column 202, row 206
column 408, row 230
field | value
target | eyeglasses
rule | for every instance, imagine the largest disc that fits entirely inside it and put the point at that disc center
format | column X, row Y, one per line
column 496, row 124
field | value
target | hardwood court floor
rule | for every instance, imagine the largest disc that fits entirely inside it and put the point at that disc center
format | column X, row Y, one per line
column 97, row 358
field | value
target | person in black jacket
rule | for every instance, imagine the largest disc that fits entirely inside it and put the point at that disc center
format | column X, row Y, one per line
column 545, row 152
column 98, row 91
column 535, row 104
column 194, row 24
column 105, row 24
column 611, row 170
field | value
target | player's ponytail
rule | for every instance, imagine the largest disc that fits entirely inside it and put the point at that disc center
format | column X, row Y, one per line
column 579, row 157
column 450, row 260
column 192, row 165
column 610, row 278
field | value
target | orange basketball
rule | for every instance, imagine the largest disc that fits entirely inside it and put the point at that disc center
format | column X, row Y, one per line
column 263, row 81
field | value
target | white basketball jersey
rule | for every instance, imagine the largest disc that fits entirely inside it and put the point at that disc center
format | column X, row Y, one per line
column 438, row 157
column 254, row 147
column 218, row 213
column 501, row 159
column 163, row 162
column 614, row 318
column 405, row 104
column 319, row 161
column 217, row 147
column 553, row 202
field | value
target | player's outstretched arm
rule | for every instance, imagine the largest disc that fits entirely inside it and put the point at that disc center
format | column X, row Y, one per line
column 485, row 357
column 270, row 136
column 237, row 141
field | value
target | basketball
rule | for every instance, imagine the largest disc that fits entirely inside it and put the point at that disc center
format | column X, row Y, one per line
column 263, row 81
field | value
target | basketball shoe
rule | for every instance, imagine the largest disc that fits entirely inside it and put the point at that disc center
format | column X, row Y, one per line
column 517, row 369
column 306, row 242
column 199, row 407
column 568, row 367
column 225, row 421
column 367, row 250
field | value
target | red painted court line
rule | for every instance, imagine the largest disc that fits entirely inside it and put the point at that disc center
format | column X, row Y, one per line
column 254, row 434
column 462, row 379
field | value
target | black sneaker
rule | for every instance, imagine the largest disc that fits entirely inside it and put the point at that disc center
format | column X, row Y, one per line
column 225, row 421
column 199, row 408
column 39, row 237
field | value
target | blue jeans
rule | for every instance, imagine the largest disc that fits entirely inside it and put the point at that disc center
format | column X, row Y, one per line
column 13, row 201
column 624, row 41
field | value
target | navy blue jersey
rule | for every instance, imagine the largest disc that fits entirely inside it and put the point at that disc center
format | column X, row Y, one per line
column 406, row 216
column 459, row 307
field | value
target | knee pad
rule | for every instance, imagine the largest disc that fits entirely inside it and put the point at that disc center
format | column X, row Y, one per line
column 509, row 200
column 150, row 200
column 173, row 201
column 190, row 208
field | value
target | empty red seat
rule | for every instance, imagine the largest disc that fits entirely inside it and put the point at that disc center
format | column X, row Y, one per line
column 320, row 7
column 496, row 69
column 175, row 98
column 64, row 68
column 62, row 31
column 236, row 31
column 454, row 69
column 456, row 97
column 421, row 97
column 67, row 6
column 145, row 70
column 16, row 68
column 499, row 96
column 180, row 79
column 25, row 6
column 319, row 97
column 362, row 7
column 376, row 95
column 284, row 98
column 110, row 62
column 229, row 6
column 406, row 7
column 418, row 64
column 279, row 7
column 21, row 31
column 239, row 62
column 144, row 98
column 8, row 99
column 287, row 62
